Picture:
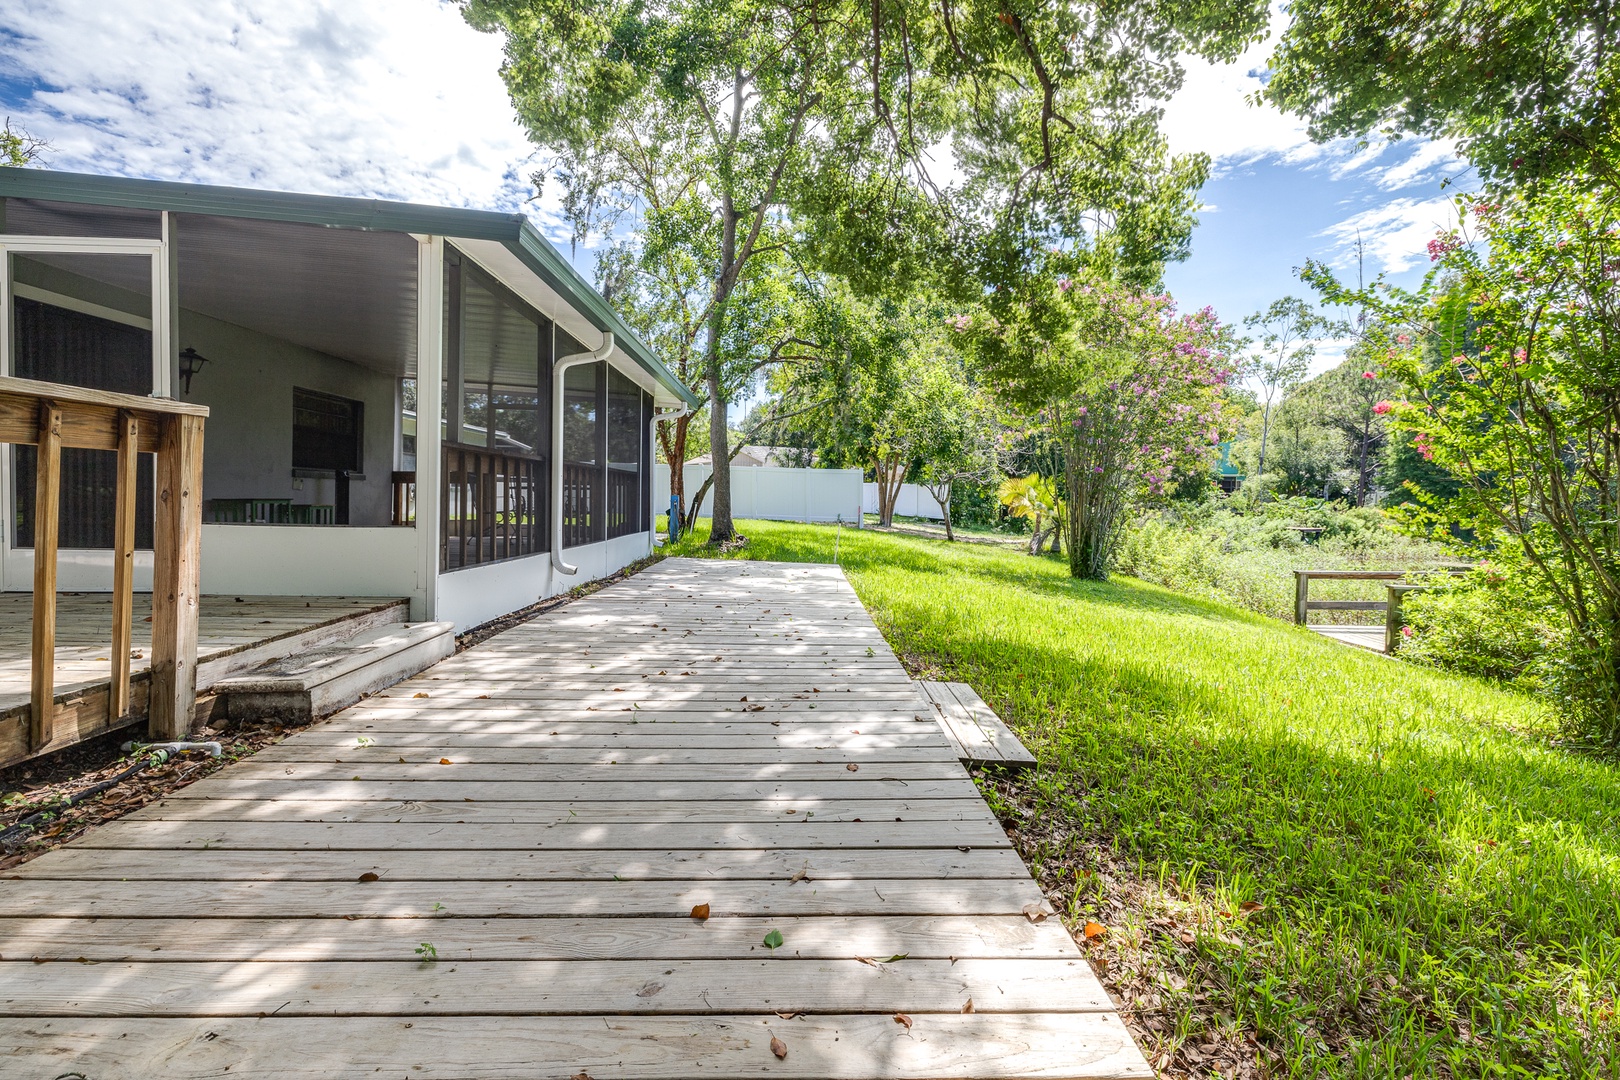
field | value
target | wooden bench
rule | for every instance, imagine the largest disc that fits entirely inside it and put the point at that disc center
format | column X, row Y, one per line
column 973, row 727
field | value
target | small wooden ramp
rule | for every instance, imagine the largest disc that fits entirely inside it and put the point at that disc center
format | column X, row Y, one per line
column 974, row 728
column 488, row 872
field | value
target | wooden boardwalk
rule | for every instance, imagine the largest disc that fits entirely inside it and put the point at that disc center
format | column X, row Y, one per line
column 491, row 872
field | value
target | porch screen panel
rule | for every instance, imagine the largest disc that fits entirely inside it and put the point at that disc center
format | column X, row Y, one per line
column 495, row 469
column 56, row 345
column 626, row 431
column 582, row 454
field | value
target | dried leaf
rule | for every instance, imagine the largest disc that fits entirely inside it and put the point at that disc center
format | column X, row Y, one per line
column 652, row 989
column 369, row 876
column 967, row 1006
column 903, row 1020
column 1250, row 906
column 778, row 1047
column 790, row 1015
column 1034, row 911
column 700, row 911
column 867, row 960
column 420, row 693
column 444, row 761
column 1093, row 931
column 798, row 875
column 852, row 767
column 581, row 1076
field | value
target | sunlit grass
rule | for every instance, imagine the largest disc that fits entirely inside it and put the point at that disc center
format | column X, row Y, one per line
column 1441, row 887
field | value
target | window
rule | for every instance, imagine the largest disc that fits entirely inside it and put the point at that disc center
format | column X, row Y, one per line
column 626, row 430
column 327, row 432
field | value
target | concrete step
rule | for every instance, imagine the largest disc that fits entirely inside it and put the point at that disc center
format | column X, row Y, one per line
column 319, row 682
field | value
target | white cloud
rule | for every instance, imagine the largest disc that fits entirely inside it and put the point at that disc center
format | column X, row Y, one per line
column 1211, row 114
column 1427, row 162
column 1395, row 234
column 394, row 99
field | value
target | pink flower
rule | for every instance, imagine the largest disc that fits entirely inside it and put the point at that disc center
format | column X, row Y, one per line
column 1406, row 631
column 1368, row 375
column 1064, row 284
column 1383, row 408
column 1404, row 339
column 1521, row 356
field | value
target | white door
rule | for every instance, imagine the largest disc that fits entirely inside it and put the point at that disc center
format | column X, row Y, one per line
column 88, row 312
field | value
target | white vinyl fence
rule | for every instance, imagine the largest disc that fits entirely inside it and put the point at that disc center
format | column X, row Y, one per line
column 913, row 501
column 775, row 494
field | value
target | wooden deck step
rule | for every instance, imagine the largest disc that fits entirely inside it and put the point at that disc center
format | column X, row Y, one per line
column 973, row 727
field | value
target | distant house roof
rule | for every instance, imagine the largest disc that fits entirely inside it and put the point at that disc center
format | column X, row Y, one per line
column 512, row 231
column 755, row 457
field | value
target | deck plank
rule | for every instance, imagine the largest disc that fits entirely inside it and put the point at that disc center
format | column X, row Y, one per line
column 547, row 809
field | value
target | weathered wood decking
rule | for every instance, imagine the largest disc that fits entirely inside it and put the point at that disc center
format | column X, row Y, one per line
column 544, row 811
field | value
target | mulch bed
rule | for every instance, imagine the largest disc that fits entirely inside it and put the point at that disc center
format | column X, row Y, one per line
column 30, row 786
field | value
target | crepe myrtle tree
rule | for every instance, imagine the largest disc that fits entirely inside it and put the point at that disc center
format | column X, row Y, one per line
column 1132, row 391
column 1507, row 356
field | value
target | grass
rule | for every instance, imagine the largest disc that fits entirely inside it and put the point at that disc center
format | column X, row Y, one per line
column 1311, row 860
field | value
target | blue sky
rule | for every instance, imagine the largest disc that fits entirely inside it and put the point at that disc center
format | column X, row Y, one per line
column 400, row 99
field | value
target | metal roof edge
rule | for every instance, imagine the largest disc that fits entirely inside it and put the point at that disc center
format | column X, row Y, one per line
column 512, row 230
column 537, row 253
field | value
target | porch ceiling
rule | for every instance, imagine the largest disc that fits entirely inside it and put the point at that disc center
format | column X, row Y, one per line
column 345, row 292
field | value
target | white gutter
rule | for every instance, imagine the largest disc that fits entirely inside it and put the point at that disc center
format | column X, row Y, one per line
column 557, row 371
column 652, row 441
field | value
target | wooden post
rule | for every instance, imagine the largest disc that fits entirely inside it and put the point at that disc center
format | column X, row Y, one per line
column 1302, row 594
column 47, row 515
column 123, row 601
column 176, row 577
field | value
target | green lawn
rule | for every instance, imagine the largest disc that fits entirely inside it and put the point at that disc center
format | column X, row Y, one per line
column 1439, row 887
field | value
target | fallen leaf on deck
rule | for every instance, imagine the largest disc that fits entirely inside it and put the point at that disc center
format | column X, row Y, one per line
column 967, row 1006
column 778, row 1047
column 903, row 1020
column 852, row 767
column 773, row 940
column 1034, row 911
column 368, row 876
column 798, row 875
column 896, row 957
column 700, row 911
column 581, row 1076
column 420, row 693
column 444, row 761
column 650, row 990
column 867, row 960
column 790, row 1015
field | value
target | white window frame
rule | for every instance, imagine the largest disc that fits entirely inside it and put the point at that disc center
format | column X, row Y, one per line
column 86, row 570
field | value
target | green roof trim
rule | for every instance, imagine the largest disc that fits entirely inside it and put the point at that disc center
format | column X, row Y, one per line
column 514, row 231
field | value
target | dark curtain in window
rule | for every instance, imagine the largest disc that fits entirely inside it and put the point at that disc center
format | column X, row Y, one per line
column 54, row 344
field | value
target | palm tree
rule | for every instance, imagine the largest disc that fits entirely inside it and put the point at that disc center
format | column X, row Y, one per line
column 1034, row 497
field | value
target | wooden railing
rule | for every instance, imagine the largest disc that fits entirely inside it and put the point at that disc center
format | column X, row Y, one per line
column 404, row 484
column 1395, row 592
column 492, row 506
column 578, row 503
column 52, row 417
column 623, row 503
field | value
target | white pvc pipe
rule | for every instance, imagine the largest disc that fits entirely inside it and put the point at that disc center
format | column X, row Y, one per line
column 557, row 371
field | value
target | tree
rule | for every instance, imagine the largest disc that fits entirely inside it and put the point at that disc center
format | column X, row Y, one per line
column 723, row 122
column 1348, row 399
column 1527, row 87
column 1286, row 329
column 1132, row 390
column 1035, row 499
column 18, row 148
column 1507, row 356
column 956, row 440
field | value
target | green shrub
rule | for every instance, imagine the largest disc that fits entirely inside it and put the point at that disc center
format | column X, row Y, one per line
column 1484, row 625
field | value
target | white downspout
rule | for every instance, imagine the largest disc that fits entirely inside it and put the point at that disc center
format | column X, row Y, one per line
column 557, row 371
column 652, row 442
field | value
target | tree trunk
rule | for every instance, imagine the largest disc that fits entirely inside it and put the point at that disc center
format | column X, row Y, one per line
column 1265, row 433
column 721, row 530
column 942, row 495
column 891, row 474
column 675, row 455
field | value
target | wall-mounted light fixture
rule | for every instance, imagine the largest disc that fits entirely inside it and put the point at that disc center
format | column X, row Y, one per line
column 191, row 362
